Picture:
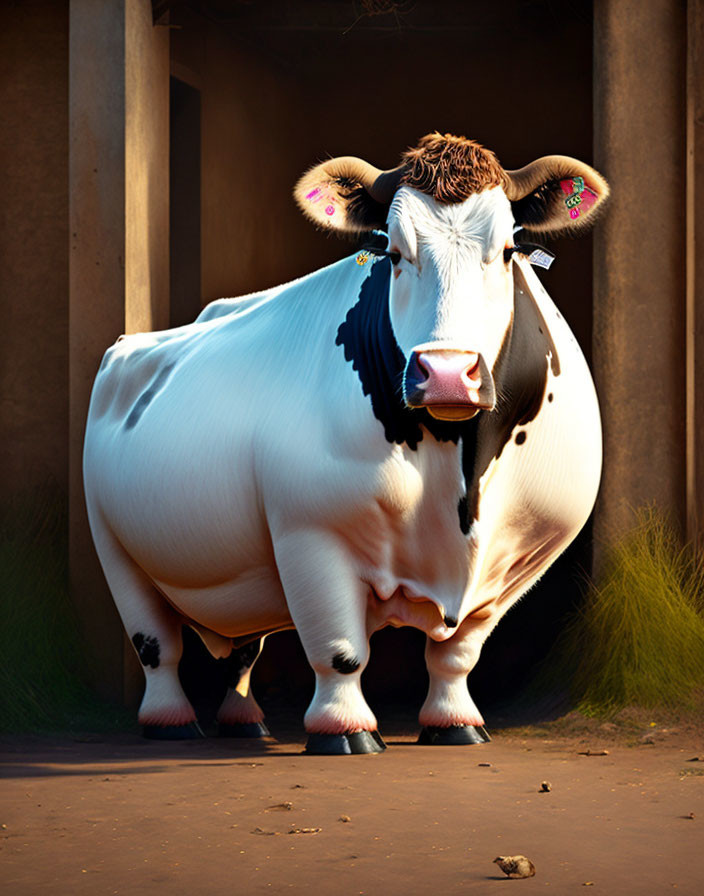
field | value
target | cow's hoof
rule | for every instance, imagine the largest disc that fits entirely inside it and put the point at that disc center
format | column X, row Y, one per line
column 345, row 744
column 454, row 735
column 242, row 729
column 192, row 731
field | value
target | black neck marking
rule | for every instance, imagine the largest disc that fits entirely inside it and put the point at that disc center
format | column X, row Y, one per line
column 521, row 370
column 521, row 375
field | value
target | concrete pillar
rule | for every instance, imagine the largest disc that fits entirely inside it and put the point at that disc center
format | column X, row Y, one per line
column 118, row 262
column 146, row 170
column 639, row 258
column 695, row 272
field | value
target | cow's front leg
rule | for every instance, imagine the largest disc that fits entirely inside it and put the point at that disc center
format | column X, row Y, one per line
column 449, row 715
column 328, row 606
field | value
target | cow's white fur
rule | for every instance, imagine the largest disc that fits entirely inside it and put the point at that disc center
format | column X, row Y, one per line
column 257, row 489
column 453, row 290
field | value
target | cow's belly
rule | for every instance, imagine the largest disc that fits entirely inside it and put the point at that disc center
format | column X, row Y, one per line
column 202, row 540
column 253, row 602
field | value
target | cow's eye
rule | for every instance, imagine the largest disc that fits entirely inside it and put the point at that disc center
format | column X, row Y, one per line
column 395, row 257
column 508, row 252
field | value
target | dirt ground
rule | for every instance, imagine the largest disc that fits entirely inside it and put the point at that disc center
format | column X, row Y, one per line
column 115, row 814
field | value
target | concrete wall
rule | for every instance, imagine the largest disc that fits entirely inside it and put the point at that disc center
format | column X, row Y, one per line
column 33, row 249
column 251, row 233
column 639, row 298
column 695, row 272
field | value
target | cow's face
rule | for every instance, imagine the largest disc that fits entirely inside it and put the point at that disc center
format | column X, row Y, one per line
column 451, row 297
column 449, row 208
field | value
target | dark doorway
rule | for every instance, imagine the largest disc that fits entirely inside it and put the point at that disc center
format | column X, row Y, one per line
column 184, row 216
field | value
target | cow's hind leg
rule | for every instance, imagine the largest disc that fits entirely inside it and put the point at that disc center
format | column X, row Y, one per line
column 154, row 629
column 449, row 715
column 328, row 605
column 240, row 715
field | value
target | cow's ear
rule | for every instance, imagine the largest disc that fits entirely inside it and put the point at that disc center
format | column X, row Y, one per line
column 556, row 193
column 346, row 194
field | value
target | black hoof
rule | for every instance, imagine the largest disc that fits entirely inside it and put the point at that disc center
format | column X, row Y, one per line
column 345, row 744
column 454, row 735
column 242, row 729
column 192, row 731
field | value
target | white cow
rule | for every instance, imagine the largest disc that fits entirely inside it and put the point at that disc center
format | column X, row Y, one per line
column 406, row 437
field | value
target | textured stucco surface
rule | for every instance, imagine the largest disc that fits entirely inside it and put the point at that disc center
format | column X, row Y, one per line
column 33, row 238
column 639, row 302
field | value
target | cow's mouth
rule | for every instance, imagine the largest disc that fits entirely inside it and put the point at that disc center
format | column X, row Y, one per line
column 452, row 386
column 452, row 411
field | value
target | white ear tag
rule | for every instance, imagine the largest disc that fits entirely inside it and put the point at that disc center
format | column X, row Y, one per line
column 541, row 258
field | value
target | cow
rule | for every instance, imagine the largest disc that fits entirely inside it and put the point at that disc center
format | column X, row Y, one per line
column 408, row 437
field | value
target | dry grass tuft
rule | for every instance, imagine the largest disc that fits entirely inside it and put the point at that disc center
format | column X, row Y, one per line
column 639, row 639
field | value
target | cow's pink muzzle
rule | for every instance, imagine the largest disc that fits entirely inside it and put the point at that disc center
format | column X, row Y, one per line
column 450, row 385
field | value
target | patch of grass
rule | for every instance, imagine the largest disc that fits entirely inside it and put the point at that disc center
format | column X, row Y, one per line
column 639, row 639
column 42, row 679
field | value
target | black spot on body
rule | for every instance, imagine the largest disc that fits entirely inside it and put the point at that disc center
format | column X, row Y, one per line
column 550, row 397
column 146, row 397
column 344, row 665
column 147, row 649
column 520, row 437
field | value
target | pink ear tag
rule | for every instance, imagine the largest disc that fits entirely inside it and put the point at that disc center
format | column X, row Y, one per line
column 326, row 195
column 578, row 196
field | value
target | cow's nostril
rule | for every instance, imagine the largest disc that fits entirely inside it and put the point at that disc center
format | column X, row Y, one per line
column 471, row 371
column 472, row 363
column 423, row 368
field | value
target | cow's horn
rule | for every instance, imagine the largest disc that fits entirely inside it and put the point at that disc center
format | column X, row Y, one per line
column 551, row 168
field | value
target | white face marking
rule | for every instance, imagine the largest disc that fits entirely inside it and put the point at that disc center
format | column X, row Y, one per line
column 451, row 288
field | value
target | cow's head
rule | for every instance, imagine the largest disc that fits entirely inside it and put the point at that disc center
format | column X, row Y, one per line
column 450, row 211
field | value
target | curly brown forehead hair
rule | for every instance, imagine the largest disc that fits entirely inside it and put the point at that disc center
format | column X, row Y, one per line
column 451, row 169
